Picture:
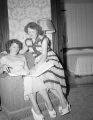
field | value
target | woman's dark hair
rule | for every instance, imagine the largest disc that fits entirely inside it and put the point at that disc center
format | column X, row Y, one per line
column 10, row 42
column 34, row 26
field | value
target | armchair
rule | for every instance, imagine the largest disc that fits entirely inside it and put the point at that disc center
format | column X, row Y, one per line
column 12, row 94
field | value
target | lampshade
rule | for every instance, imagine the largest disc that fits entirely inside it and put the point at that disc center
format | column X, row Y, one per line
column 47, row 25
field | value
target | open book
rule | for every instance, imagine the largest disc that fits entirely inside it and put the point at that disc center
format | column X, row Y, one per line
column 43, row 68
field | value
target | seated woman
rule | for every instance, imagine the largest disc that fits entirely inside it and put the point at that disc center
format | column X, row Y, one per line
column 47, row 65
column 15, row 65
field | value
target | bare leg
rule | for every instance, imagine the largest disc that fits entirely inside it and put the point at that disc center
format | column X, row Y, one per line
column 34, row 103
column 64, row 107
column 49, row 106
column 35, row 109
column 45, row 96
column 59, row 93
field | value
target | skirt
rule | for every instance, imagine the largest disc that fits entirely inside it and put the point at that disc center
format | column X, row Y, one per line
column 32, row 85
column 54, row 76
column 49, row 76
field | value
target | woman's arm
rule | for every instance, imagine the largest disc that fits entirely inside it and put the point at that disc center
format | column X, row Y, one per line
column 3, row 66
column 1, row 69
column 25, row 49
column 25, row 65
column 44, row 53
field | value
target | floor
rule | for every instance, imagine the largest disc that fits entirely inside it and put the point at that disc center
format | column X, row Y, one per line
column 81, row 99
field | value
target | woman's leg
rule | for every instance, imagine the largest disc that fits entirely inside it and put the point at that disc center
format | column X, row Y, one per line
column 34, row 103
column 59, row 94
column 48, row 103
column 45, row 96
column 64, row 106
column 35, row 109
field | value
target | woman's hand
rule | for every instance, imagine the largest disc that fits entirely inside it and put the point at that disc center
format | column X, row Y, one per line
column 6, row 68
column 28, row 73
column 32, row 71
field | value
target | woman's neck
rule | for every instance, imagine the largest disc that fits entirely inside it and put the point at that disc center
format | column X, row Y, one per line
column 12, row 54
column 34, row 39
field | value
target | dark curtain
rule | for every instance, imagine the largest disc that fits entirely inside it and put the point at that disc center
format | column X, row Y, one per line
column 60, row 36
column 58, row 18
column 54, row 16
column 4, row 26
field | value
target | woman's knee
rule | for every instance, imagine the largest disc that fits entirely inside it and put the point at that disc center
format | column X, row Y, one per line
column 44, row 93
column 32, row 96
column 58, row 88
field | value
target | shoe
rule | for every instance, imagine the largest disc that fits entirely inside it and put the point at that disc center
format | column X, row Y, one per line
column 65, row 110
column 52, row 113
column 36, row 116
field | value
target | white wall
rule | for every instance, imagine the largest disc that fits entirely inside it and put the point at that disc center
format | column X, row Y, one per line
column 79, row 18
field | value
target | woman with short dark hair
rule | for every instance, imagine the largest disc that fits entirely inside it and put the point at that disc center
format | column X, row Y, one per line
column 13, row 63
column 8, row 44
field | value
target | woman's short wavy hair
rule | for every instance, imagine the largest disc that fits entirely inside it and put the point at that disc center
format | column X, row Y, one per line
column 34, row 26
column 10, row 42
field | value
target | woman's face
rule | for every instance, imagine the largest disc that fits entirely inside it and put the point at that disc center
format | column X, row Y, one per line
column 14, row 49
column 32, row 33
